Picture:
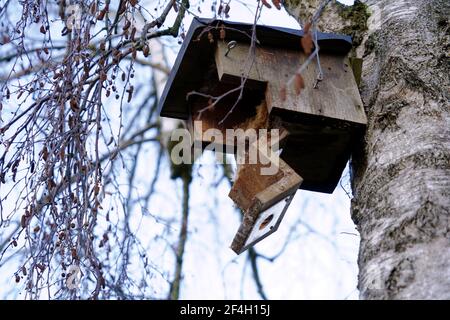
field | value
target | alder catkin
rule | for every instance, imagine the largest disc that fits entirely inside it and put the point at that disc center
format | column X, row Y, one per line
column 277, row 4
column 299, row 83
column 146, row 51
column 307, row 43
column 283, row 93
column 266, row 4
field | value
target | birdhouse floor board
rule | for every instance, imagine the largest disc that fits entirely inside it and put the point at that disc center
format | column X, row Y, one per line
column 255, row 193
column 250, row 182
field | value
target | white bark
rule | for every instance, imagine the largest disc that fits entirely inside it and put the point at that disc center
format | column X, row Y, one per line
column 401, row 173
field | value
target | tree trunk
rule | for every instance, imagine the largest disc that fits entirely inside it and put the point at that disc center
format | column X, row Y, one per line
column 401, row 171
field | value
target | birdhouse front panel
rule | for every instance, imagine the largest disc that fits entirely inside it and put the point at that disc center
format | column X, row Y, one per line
column 336, row 96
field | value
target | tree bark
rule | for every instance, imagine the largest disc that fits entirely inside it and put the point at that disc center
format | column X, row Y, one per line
column 401, row 171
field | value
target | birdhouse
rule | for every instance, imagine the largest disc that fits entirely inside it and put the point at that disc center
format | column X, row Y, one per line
column 224, row 79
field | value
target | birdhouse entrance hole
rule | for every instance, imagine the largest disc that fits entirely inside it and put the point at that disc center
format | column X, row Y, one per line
column 218, row 116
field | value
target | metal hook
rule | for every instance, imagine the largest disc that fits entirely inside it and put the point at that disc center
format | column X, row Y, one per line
column 318, row 79
column 230, row 46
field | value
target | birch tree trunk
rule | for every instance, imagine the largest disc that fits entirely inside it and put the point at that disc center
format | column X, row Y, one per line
column 401, row 171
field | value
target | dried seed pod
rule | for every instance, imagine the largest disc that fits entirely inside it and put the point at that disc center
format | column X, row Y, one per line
column 283, row 93
column 307, row 43
column 103, row 76
column 23, row 223
column 299, row 83
column 127, row 25
column 74, row 105
column 146, row 51
column 96, row 189
column 307, row 28
column 101, row 15
column 277, row 4
column 122, row 8
column 44, row 153
column 93, row 8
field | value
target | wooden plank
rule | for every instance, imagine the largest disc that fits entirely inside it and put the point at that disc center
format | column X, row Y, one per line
column 337, row 96
column 253, row 192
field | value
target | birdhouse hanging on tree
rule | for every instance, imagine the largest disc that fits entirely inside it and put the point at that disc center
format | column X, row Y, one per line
column 229, row 78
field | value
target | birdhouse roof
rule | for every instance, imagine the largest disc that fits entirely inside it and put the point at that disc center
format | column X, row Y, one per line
column 191, row 62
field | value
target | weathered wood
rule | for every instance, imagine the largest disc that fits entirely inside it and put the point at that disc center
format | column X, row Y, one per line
column 318, row 127
column 318, row 151
column 336, row 96
column 254, row 192
column 322, row 122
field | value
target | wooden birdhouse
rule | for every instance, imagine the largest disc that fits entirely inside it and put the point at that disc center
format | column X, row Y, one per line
column 223, row 82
